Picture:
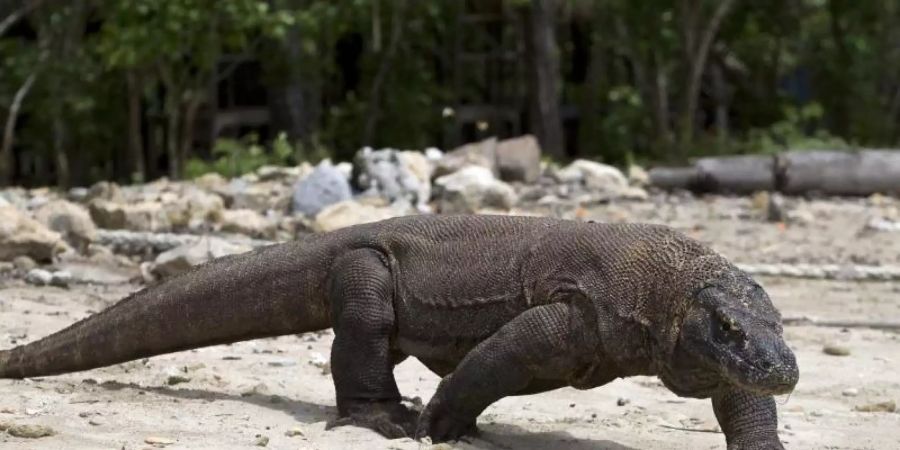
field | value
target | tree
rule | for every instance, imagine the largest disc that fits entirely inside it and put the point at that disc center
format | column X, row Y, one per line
column 543, row 67
column 178, row 44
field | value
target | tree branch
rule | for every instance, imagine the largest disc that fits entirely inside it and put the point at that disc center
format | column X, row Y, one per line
column 9, row 131
column 17, row 15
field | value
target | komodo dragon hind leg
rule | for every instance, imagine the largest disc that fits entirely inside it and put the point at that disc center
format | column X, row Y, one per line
column 362, row 365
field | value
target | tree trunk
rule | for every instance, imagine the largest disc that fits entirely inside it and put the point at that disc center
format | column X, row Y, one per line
column 397, row 26
column 7, row 161
column 60, row 153
column 172, row 150
column 698, row 52
column 295, row 100
column 661, row 101
column 191, row 107
column 137, row 168
column 172, row 111
column 722, row 99
column 542, row 54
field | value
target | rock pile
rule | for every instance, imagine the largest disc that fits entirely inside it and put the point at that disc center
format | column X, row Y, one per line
column 162, row 228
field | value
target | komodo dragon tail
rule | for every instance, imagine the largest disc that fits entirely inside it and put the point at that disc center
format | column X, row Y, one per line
column 272, row 291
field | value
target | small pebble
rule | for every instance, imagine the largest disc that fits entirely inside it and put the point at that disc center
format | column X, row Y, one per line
column 38, row 277
column 622, row 401
column 836, row 350
column 61, row 279
column 283, row 363
column 262, row 441
column 850, row 392
column 296, row 431
column 158, row 440
column 172, row 380
column 888, row 406
column 30, row 431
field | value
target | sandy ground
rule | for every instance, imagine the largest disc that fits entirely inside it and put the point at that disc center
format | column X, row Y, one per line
column 267, row 389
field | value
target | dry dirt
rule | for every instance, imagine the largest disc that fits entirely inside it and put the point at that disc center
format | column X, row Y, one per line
column 233, row 396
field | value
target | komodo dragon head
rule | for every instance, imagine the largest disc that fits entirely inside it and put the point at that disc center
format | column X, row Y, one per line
column 730, row 334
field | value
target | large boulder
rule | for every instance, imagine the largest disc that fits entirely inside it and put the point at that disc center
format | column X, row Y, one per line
column 247, row 222
column 22, row 236
column 180, row 259
column 138, row 216
column 325, row 186
column 482, row 154
column 394, row 175
column 519, row 159
column 351, row 212
column 70, row 220
column 471, row 189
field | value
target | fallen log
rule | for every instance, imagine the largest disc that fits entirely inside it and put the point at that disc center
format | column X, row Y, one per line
column 863, row 172
column 742, row 174
column 670, row 178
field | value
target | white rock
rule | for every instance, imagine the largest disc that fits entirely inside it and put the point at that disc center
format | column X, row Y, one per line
column 473, row 188
column 351, row 212
column 182, row 258
column 519, row 159
column 38, row 277
column 394, row 175
column 247, row 222
column 23, row 236
column 638, row 176
column 138, row 216
column 483, row 154
column 70, row 220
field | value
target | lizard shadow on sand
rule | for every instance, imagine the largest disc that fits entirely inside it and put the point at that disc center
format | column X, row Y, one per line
column 493, row 436
column 302, row 411
column 507, row 436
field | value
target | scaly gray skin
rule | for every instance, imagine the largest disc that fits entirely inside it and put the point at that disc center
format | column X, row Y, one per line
column 496, row 305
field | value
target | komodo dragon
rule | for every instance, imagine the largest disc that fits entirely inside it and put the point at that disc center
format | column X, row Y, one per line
column 496, row 305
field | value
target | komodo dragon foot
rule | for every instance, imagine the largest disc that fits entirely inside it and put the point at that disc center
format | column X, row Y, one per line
column 390, row 419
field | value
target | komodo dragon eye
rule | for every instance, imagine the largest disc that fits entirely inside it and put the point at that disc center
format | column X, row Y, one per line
column 727, row 323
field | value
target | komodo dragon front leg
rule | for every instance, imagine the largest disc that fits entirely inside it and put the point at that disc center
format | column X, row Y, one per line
column 361, row 292
column 531, row 353
column 749, row 421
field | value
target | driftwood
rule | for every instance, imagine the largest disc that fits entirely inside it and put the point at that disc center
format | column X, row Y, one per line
column 863, row 172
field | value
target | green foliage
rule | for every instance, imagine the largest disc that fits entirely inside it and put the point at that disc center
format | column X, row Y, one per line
column 797, row 74
column 232, row 157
